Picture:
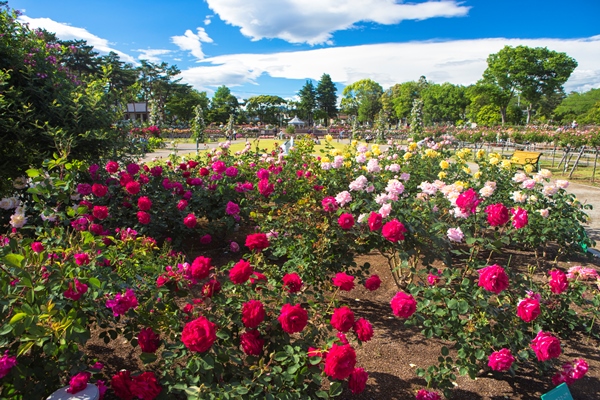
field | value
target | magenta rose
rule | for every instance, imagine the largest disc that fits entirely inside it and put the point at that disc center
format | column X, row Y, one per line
column 199, row 335
column 346, row 221
column 143, row 217
column 292, row 282
column 363, row 330
column 121, row 383
column 190, row 221
column 100, row 212
column 78, row 382
column 467, row 201
column 112, row 167
column 403, row 305
column 545, row 346
column 132, row 187
column 148, row 340
column 145, row 386
column 373, row 283
column 257, row 241
column 253, row 313
column 501, row 360
column 342, row 319
column 293, row 319
column 344, row 281
column 375, row 221
column 558, row 281
column 519, row 217
column 251, row 342
column 210, row 288
column 427, row 395
column 240, row 272
column 497, row 214
column 493, row 278
column 393, row 230
column 232, row 208
column 205, row 239
column 144, row 203
column 358, row 380
column 340, row 361
column 75, row 293
column 528, row 309
column 122, row 302
column 200, row 267
column 81, row 258
column 329, row 204
column 265, row 188
column 37, row 247
column 99, row 190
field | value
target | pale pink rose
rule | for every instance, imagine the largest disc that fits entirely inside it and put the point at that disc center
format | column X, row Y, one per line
column 528, row 184
column 373, row 166
column 545, row 173
column 385, row 210
column 519, row 197
column 455, row 234
column 370, row 189
column 393, row 167
column 358, row 184
column 544, row 212
column 428, row 188
column 519, row 177
column 405, row 176
column 361, row 158
column 382, row 198
column 550, row 190
column 343, row 198
column 486, row 191
column 562, row 184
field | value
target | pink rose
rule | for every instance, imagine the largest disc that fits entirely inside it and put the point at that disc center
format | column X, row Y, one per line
column 358, row 380
column 143, row 217
column 190, row 221
column 344, row 281
column 293, row 319
column 257, row 241
column 497, row 214
column 558, row 281
column 232, row 208
column 199, row 335
column 520, row 219
column 528, row 309
column 340, row 361
column 253, row 313
column 200, row 268
column 37, row 247
column 346, row 221
column 75, row 293
column 393, row 231
column 493, row 278
column 363, row 330
column 501, row 360
column 329, row 204
column 373, row 283
column 427, row 395
column 545, row 346
column 467, row 201
column 78, row 382
column 342, row 319
column 144, row 203
column 403, row 305
column 375, row 221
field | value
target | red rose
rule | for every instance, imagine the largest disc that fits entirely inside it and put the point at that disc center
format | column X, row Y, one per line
column 78, row 382
column 393, row 230
column 340, row 361
column 501, row 360
column 99, row 190
column 528, row 309
column 251, row 343
column 200, row 267
column 346, row 221
column 145, row 386
column 75, row 293
column 358, row 380
column 253, row 313
column 344, row 281
column 199, row 335
column 265, row 188
column 519, row 216
column 148, row 340
column 132, row 187
column 373, row 283
column 211, row 288
column 144, row 203
column 100, row 212
column 342, row 319
column 81, row 258
column 467, row 201
column 204, row 171
column 363, row 330
column 190, row 221
column 545, row 346
column 558, row 281
column 112, row 167
column 257, row 241
column 240, row 272
column 206, row 239
column 293, row 319
column 497, row 214
column 133, row 168
column 375, row 221
column 37, row 247
column 403, row 305
column 143, row 217
column 121, row 384
column 182, row 205
column 292, row 282
column 427, row 395
column 493, row 278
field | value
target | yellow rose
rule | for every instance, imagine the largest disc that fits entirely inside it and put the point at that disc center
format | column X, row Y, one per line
column 329, row 138
column 376, row 151
column 494, row 160
column 442, row 175
column 368, row 154
column 477, row 175
column 325, row 159
column 480, row 153
column 364, row 167
column 467, row 170
column 444, row 164
column 347, row 164
column 407, row 156
column 528, row 168
column 354, row 143
column 412, row 146
column 505, row 164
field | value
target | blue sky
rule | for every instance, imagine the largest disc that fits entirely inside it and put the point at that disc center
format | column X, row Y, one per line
column 273, row 46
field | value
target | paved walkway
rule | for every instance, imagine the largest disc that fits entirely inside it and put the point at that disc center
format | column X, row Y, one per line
column 586, row 194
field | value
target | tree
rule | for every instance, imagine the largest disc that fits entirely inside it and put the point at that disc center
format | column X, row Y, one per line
column 265, row 107
column 445, row 103
column 326, row 98
column 198, row 126
column 308, row 102
column 157, row 85
column 529, row 72
column 223, row 104
column 363, row 99
column 575, row 105
column 180, row 106
column 398, row 100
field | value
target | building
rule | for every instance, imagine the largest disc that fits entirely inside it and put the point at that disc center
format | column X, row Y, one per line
column 137, row 112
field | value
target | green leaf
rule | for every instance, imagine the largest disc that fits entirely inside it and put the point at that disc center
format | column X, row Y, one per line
column 280, row 356
column 479, row 354
column 13, row 260
column 322, row 394
column 445, row 351
column 94, row 282
column 335, row 389
column 32, row 173
column 17, row 317
column 148, row 358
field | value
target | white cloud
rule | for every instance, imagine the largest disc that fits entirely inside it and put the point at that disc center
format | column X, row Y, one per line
column 458, row 62
column 68, row 32
column 207, row 19
column 152, row 54
column 314, row 21
column 192, row 42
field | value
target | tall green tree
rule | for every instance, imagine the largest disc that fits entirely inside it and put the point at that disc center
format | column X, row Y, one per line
column 444, row 104
column 326, row 98
column 530, row 72
column 180, row 106
column 157, row 84
column 265, row 107
column 222, row 105
column 363, row 99
column 308, row 102
column 576, row 105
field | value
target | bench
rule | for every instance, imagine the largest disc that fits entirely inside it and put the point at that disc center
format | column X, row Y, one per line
column 523, row 158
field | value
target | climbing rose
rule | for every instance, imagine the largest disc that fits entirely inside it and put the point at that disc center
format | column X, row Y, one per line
column 293, row 319
column 493, row 278
column 251, row 342
column 373, row 283
column 240, row 272
column 344, row 281
column 358, row 380
column 528, row 309
column 342, row 319
column 253, row 313
column 497, row 214
column 292, row 282
column 375, row 221
column 501, row 360
column 545, row 346
column 393, row 230
column 520, row 219
column 148, row 340
column 346, row 221
column 257, row 241
column 199, row 335
column 558, row 281
column 340, row 361
column 403, row 305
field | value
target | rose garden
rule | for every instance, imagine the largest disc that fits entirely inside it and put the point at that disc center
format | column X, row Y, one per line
column 232, row 274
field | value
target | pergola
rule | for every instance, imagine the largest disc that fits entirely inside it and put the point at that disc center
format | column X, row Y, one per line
column 296, row 122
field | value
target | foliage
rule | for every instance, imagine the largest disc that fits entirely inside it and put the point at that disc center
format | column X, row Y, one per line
column 362, row 98
column 326, row 98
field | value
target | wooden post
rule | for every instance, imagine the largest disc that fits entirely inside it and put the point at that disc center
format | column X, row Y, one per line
column 577, row 161
column 595, row 162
